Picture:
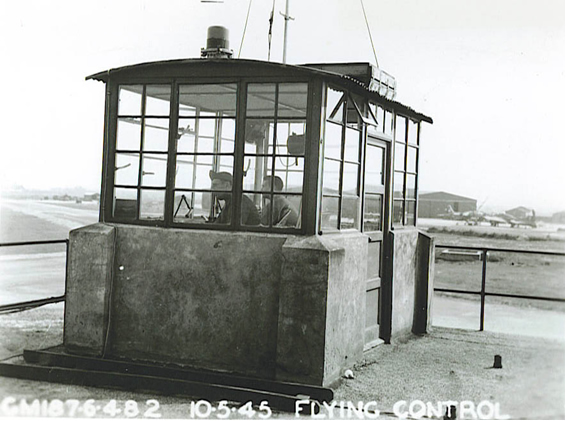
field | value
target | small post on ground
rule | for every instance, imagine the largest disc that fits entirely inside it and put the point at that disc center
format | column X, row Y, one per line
column 483, row 278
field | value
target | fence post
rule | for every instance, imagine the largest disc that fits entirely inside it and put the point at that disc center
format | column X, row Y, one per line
column 482, row 292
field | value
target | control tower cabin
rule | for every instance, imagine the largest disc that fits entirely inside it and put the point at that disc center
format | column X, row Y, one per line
column 256, row 218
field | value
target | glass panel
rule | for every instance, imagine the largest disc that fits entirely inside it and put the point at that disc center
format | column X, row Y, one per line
column 411, row 159
column 373, row 208
column 380, row 115
column 191, row 207
column 375, row 176
column 335, row 105
column 350, row 212
column 152, row 204
column 129, row 134
column 352, row 146
column 250, row 214
column 400, row 129
column 329, row 213
column 208, row 99
column 186, row 135
column 259, row 133
column 412, row 135
column 255, row 167
column 353, row 115
column 130, row 100
column 399, row 156
column 127, row 169
column 156, row 135
column 372, row 307
column 157, row 100
column 331, row 177
column 261, row 100
column 398, row 183
column 333, row 141
column 410, row 210
column 388, row 126
column 284, row 212
column 292, row 100
column 154, row 170
column 125, row 203
column 290, row 138
column 222, row 210
column 292, row 179
column 374, row 258
column 350, row 179
column 201, row 135
column 397, row 212
column 411, row 186
column 227, row 135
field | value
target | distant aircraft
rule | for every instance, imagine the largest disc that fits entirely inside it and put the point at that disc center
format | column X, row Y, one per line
column 505, row 218
column 471, row 217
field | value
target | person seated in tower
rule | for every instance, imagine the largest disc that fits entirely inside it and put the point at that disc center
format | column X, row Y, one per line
column 222, row 183
column 281, row 212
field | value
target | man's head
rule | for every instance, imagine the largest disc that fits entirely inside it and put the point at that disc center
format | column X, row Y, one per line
column 221, row 181
column 277, row 183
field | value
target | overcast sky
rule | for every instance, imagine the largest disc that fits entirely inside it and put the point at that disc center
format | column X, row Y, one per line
column 489, row 72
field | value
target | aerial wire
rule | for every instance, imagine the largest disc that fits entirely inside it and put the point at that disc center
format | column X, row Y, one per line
column 369, row 32
column 270, row 33
column 245, row 28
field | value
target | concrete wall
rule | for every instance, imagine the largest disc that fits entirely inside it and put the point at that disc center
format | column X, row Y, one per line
column 412, row 283
column 274, row 306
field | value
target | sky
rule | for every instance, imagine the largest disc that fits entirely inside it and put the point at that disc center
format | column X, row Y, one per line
column 489, row 72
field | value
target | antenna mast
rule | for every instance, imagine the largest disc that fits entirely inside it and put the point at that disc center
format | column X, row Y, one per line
column 287, row 18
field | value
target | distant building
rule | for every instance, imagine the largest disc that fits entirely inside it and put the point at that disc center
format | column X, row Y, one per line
column 521, row 212
column 558, row 218
column 434, row 204
column 91, row 197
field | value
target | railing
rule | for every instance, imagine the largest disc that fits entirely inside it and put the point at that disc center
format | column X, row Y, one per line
column 483, row 293
column 36, row 303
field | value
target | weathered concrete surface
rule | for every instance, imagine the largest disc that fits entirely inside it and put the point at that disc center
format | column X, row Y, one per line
column 202, row 298
column 91, row 250
column 322, row 307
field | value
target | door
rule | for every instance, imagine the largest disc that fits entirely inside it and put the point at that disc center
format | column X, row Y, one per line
column 376, row 221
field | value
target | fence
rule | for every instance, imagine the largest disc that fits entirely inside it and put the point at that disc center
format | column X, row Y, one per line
column 482, row 292
column 36, row 303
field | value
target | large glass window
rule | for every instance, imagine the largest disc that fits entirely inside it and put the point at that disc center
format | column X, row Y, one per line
column 141, row 152
column 342, row 161
column 274, row 153
column 405, row 171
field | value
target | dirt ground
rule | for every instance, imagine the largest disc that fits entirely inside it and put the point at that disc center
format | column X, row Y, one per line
column 447, row 364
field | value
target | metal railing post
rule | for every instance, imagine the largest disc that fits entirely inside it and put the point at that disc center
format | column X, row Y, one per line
column 482, row 292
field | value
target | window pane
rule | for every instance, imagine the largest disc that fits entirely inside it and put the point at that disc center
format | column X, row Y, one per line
column 125, row 203
column 158, row 99
column 352, row 146
column 292, row 100
column 130, row 100
column 399, row 156
column 398, row 212
column 129, row 134
column 411, row 186
column 154, row 170
column 375, row 176
column 222, row 208
column 127, row 169
column 350, row 212
column 350, row 181
column 156, row 135
column 353, row 115
column 331, row 177
column 329, row 213
column 412, row 132
column 255, row 168
column 333, row 141
column 400, row 129
column 191, row 207
column 410, row 210
column 206, row 135
column 335, row 105
column 411, row 159
column 259, row 134
column 290, row 138
column 152, row 204
column 373, row 209
column 250, row 214
column 292, row 179
column 207, row 99
column 284, row 212
column 398, row 184
column 261, row 100
column 388, row 126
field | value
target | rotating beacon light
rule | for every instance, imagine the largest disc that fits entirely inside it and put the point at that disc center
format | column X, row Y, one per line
column 217, row 43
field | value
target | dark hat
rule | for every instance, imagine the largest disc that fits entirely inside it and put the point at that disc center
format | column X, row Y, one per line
column 222, row 175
